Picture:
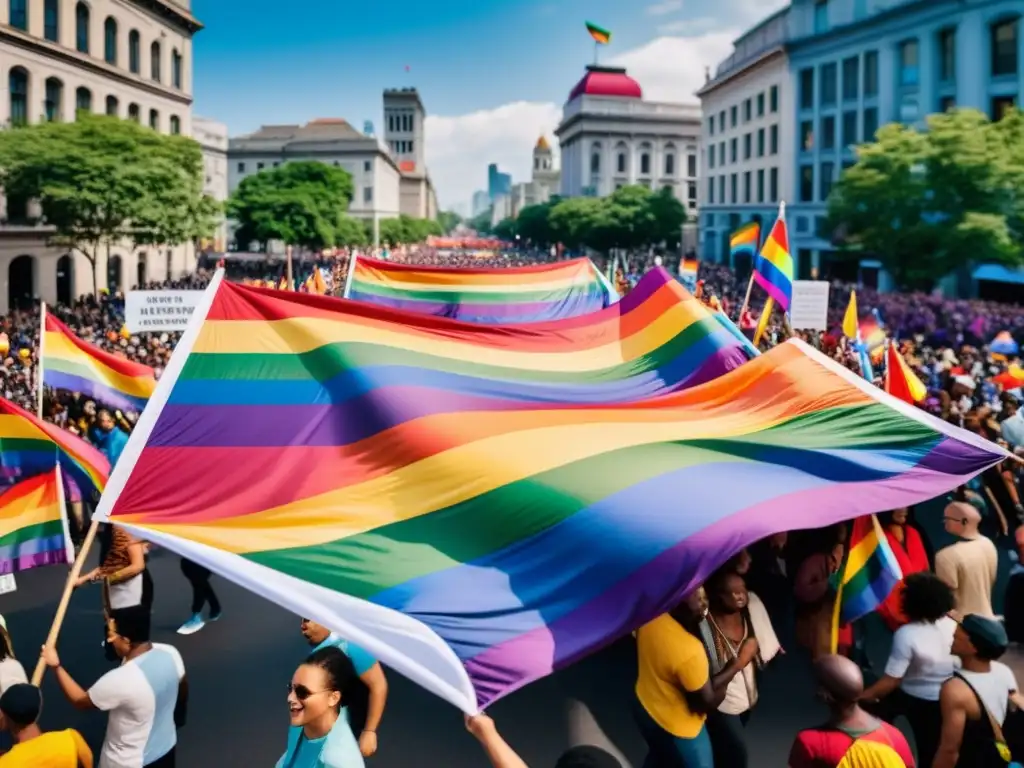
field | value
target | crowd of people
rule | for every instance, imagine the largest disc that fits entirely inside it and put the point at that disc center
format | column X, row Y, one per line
column 699, row 666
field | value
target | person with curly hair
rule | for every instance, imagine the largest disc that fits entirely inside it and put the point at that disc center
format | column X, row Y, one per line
column 921, row 660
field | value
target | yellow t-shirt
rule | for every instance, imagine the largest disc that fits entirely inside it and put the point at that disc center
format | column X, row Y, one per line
column 57, row 749
column 670, row 661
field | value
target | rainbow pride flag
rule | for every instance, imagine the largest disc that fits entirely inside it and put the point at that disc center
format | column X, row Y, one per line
column 77, row 366
column 30, row 446
column 745, row 240
column 869, row 574
column 34, row 524
column 484, row 294
column 773, row 269
column 474, row 535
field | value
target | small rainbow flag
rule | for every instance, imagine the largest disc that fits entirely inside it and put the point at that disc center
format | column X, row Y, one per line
column 745, row 240
column 30, row 446
column 601, row 35
column 76, row 366
column 869, row 574
column 484, row 294
column 773, row 269
column 34, row 524
column 900, row 381
column 485, row 507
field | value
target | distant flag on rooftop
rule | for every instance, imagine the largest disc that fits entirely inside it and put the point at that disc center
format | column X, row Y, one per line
column 601, row 35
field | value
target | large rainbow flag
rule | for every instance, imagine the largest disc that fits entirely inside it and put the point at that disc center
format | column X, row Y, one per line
column 484, row 294
column 69, row 363
column 30, row 446
column 34, row 525
column 473, row 538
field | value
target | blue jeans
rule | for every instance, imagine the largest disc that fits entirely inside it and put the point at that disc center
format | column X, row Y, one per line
column 665, row 750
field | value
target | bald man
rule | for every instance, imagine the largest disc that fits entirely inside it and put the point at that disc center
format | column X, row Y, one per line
column 968, row 566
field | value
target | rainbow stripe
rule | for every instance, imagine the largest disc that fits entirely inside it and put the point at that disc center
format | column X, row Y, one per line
column 33, row 525
column 30, row 447
column 471, row 532
column 745, row 241
column 773, row 269
column 72, row 364
column 486, row 294
column 870, row 572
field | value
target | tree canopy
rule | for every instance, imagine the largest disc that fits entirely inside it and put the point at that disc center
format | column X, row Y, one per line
column 631, row 217
column 101, row 180
column 405, row 230
column 448, row 220
column 925, row 202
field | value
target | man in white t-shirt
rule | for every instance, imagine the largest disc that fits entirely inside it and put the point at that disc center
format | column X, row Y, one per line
column 145, row 697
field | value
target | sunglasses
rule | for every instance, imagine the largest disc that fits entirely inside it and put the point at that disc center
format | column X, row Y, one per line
column 302, row 692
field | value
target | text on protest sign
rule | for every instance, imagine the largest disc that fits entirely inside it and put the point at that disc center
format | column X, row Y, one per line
column 808, row 311
column 159, row 310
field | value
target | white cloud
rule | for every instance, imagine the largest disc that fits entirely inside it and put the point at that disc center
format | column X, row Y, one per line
column 697, row 26
column 664, row 7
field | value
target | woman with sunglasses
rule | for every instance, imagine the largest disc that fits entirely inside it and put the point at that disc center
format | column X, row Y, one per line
column 316, row 695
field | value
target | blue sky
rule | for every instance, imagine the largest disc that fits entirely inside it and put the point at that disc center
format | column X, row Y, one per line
column 332, row 59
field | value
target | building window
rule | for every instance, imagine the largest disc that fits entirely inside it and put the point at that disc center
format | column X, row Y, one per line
column 711, row 126
column 760, row 185
column 51, row 20
column 110, row 40
column 821, row 16
column 870, row 123
column 733, row 188
column 807, row 88
column 760, row 142
column 83, row 100
column 82, row 27
column 733, row 116
column 367, row 195
column 19, row 14
column 134, row 113
column 947, row 103
column 645, row 163
column 870, row 74
column 806, row 183
column 760, row 104
column 947, row 55
column 829, row 89
column 773, row 185
column 1001, row 105
column 849, row 129
column 721, row 121
column 721, row 153
column 1005, row 44
column 721, row 189
column 670, row 165
column 54, row 99
column 828, row 132
column 908, row 63
column 734, row 155
column 773, row 99
column 747, row 146
column 113, row 108
column 620, row 162
column 260, row 166
column 154, row 119
column 851, row 76
column 711, row 156
column 711, row 190
column 175, row 125
column 807, row 136
column 134, row 52
column 154, row 61
column 691, row 192
column 746, row 187
column 367, row 166
column 691, row 166
column 241, row 167
column 773, row 140
column 176, row 69
column 827, row 171
column 595, row 159
column 747, row 111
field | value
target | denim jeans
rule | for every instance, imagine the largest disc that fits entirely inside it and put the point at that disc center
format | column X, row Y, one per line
column 664, row 750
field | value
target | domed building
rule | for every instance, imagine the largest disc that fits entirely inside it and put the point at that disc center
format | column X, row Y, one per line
column 611, row 137
column 544, row 182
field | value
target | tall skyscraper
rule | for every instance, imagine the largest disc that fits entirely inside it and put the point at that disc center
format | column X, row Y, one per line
column 498, row 183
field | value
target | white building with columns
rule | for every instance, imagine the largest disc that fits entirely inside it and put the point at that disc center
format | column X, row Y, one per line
column 611, row 137
column 131, row 58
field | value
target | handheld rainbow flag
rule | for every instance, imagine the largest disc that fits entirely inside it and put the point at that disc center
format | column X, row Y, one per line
column 601, row 35
column 484, row 294
column 869, row 574
column 34, row 524
column 773, row 269
column 744, row 241
column 74, row 365
column 901, row 382
column 474, row 537
column 30, row 446
column 852, row 329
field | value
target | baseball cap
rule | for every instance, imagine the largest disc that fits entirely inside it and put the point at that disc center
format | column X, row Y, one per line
column 21, row 703
column 987, row 635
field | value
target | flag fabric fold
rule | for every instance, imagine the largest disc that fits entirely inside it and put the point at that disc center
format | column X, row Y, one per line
column 33, row 524
column 475, row 533
column 900, row 381
column 74, row 365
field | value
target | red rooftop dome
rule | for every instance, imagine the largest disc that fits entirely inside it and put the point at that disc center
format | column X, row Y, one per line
column 607, row 81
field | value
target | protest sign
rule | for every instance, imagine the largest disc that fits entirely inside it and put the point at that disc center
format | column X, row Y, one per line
column 808, row 310
column 159, row 310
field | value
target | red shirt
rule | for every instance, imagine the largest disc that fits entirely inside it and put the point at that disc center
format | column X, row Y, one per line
column 825, row 747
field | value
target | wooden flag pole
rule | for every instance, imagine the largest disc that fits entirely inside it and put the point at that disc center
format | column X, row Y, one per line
column 746, row 299
column 65, row 599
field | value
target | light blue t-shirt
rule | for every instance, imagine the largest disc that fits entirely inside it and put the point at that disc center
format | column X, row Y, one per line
column 338, row 749
column 361, row 660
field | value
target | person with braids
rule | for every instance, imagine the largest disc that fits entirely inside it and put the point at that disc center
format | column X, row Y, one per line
column 319, row 737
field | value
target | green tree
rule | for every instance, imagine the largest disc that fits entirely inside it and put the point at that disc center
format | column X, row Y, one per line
column 924, row 203
column 506, row 229
column 669, row 216
column 574, row 220
column 481, row 223
column 300, row 203
column 351, row 233
column 102, row 181
column 625, row 220
column 534, row 223
column 448, row 220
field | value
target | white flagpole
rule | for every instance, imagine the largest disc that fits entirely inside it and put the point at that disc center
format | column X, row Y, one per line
column 40, row 362
column 69, row 546
column 348, row 277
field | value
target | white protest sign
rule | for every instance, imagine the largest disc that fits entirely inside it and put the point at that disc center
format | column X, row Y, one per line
column 159, row 310
column 7, row 583
column 808, row 311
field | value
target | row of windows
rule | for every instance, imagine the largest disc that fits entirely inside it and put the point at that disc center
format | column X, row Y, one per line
column 53, row 102
column 772, row 148
column 402, row 147
column 754, row 187
column 854, row 80
column 1004, row 53
column 401, row 122
column 826, row 137
column 826, row 180
column 622, row 160
column 367, row 166
column 83, row 39
column 748, row 110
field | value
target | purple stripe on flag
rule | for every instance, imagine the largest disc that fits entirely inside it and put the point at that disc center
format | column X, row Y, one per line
column 28, row 562
column 93, row 389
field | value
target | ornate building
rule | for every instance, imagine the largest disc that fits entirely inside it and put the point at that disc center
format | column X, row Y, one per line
column 544, row 182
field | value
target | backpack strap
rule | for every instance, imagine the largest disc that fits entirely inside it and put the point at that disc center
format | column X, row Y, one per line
column 997, row 731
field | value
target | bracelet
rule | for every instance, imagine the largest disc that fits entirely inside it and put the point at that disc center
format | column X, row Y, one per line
column 369, row 730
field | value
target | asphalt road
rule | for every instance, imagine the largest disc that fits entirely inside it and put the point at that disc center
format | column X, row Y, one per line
column 238, row 669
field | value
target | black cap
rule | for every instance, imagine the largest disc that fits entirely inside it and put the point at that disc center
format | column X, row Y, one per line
column 21, row 704
column 987, row 636
column 587, row 757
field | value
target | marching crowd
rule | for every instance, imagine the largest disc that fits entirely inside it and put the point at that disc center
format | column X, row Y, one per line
column 699, row 666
